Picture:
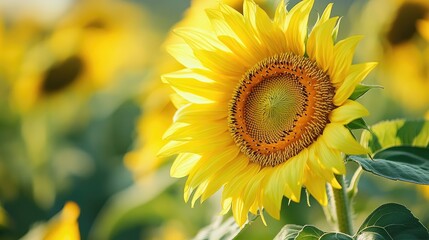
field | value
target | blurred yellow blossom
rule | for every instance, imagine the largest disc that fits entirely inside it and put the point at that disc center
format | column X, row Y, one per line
column 88, row 48
column 63, row 226
column 396, row 39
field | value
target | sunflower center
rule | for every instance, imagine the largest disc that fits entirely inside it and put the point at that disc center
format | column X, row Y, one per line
column 279, row 108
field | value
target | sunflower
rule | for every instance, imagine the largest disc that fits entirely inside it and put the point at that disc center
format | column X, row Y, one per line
column 85, row 51
column 399, row 40
column 266, row 107
column 61, row 227
column 158, row 108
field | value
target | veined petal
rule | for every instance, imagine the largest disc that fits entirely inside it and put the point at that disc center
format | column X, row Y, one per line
column 348, row 112
column 316, row 186
column 210, row 163
column 251, row 192
column 197, row 147
column 294, row 172
column 296, row 31
column 320, row 169
column 222, row 62
column 183, row 164
column 199, row 39
column 184, row 131
column 225, row 175
column 339, row 137
column 234, row 188
column 190, row 112
column 320, row 45
column 280, row 15
column 356, row 74
column 184, row 55
column 237, row 24
column 270, row 34
column 207, row 166
column 273, row 192
column 329, row 157
column 343, row 56
column 193, row 90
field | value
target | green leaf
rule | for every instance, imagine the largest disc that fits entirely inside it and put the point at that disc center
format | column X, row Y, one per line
column 296, row 232
column 361, row 90
column 397, row 133
column 289, row 232
column 357, row 124
column 392, row 221
column 409, row 164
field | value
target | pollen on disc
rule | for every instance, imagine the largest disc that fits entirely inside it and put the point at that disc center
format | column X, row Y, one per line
column 280, row 107
column 274, row 102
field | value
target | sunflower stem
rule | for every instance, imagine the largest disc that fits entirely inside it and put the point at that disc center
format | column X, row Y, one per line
column 341, row 206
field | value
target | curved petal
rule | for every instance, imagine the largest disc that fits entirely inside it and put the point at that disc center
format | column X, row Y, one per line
column 320, row 45
column 316, row 186
column 184, row 55
column 294, row 173
column 343, row 56
column 348, row 112
column 356, row 74
column 339, row 137
column 330, row 158
column 225, row 175
column 296, row 31
column 183, row 164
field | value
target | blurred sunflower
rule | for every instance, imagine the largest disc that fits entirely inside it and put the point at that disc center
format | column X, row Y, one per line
column 158, row 108
column 63, row 226
column 88, row 49
column 94, row 47
column 266, row 107
column 397, row 41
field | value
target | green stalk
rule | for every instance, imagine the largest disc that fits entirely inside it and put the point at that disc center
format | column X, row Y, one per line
column 341, row 206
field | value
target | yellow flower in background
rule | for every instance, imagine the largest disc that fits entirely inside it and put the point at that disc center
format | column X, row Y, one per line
column 63, row 226
column 266, row 109
column 396, row 40
column 158, row 108
column 88, row 49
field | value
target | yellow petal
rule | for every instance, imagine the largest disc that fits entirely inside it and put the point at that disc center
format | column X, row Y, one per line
column 280, row 15
column 356, row 74
column 320, row 45
column 271, row 36
column 224, row 175
column 339, row 137
column 319, row 169
column 183, row 131
column 199, row 39
column 294, row 172
column 183, row 164
column 343, row 56
column 208, row 112
column 348, row 112
column 273, row 192
column 197, row 147
column 316, row 186
column 243, row 31
column 297, row 23
column 210, row 164
column 234, row 188
column 329, row 157
column 184, row 55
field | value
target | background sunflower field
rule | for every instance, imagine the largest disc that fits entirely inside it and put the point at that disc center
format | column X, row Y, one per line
column 83, row 111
